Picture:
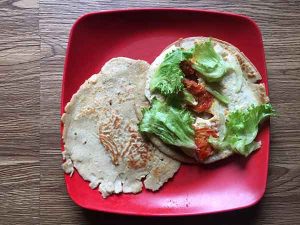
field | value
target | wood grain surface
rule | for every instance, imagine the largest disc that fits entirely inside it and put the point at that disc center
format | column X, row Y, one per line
column 33, row 39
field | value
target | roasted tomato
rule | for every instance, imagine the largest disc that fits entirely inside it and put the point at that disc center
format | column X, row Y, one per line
column 203, row 98
column 204, row 149
column 189, row 72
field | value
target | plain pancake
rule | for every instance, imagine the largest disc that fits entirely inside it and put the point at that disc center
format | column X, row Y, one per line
column 101, row 138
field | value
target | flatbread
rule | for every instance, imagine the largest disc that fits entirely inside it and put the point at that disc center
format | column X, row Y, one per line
column 101, row 138
column 251, row 92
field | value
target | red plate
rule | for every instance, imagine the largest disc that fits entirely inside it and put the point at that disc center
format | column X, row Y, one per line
column 142, row 34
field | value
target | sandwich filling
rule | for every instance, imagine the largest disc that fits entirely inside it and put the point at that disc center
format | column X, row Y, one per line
column 203, row 100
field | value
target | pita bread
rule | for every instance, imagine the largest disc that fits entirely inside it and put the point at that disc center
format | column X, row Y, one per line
column 250, row 92
column 101, row 139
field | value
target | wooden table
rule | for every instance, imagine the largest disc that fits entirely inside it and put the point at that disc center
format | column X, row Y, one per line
column 33, row 39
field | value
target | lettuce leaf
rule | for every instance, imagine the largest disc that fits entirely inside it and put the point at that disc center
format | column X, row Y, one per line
column 207, row 62
column 167, row 80
column 222, row 98
column 241, row 129
column 173, row 125
column 189, row 98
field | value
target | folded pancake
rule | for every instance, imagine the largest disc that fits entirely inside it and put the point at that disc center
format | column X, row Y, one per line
column 101, row 138
column 239, row 85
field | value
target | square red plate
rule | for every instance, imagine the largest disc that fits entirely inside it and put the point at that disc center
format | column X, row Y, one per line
column 142, row 34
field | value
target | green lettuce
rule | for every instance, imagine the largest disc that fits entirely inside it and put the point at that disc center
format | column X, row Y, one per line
column 241, row 129
column 181, row 99
column 167, row 80
column 173, row 125
column 222, row 98
column 189, row 98
column 207, row 62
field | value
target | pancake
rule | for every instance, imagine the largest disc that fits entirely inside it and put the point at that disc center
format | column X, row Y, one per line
column 245, row 77
column 101, row 138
